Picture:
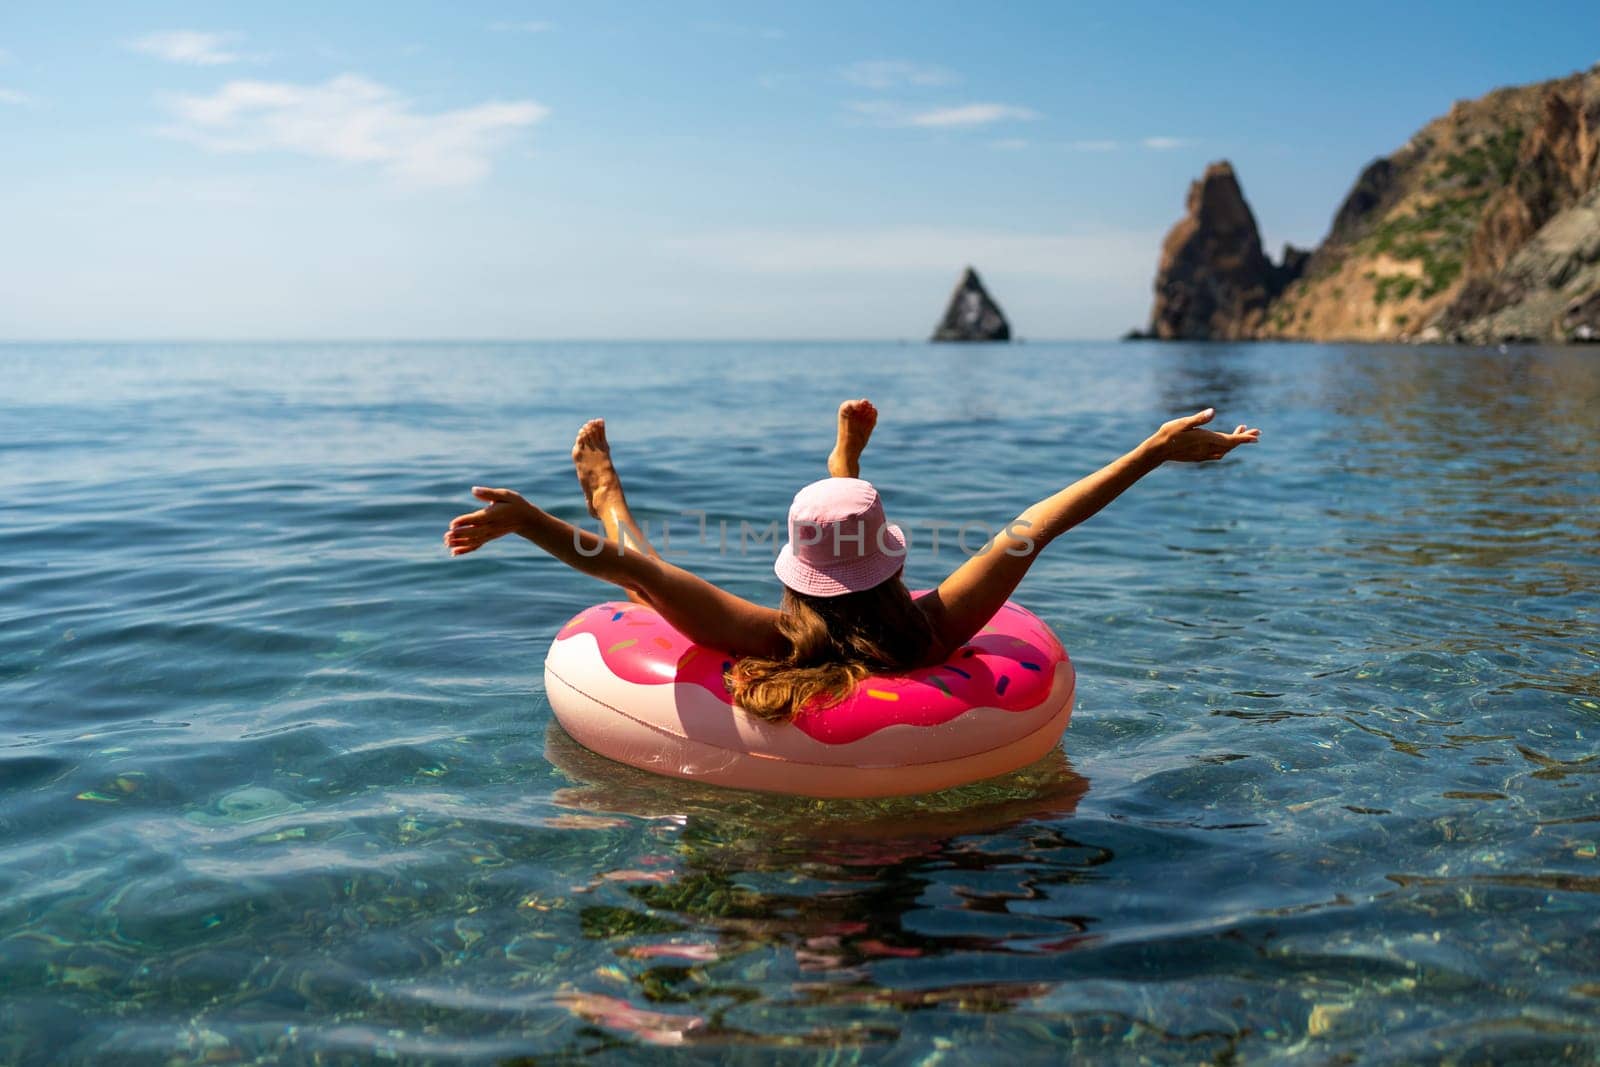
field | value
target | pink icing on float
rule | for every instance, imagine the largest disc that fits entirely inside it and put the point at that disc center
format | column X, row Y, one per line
column 626, row 685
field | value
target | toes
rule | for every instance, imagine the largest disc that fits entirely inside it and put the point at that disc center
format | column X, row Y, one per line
column 591, row 438
column 858, row 412
column 591, row 435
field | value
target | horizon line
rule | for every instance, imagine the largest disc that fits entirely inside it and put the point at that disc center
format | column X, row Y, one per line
column 520, row 340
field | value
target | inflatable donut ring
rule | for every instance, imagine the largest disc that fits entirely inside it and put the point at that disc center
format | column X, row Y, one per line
column 628, row 686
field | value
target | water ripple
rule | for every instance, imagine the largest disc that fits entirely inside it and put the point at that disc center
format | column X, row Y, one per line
column 280, row 781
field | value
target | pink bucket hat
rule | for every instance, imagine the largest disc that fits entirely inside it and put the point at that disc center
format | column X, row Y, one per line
column 839, row 540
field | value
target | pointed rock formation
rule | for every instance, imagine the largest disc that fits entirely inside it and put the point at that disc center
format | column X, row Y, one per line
column 1364, row 198
column 972, row 314
column 1214, row 281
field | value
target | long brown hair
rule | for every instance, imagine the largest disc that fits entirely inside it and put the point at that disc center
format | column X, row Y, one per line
column 834, row 642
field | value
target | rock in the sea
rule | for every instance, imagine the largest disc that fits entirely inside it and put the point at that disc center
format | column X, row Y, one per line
column 972, row 314
column 1214, row 281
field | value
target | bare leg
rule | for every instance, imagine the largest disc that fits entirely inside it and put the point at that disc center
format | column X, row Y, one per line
column 602, row 491
column 856, row 420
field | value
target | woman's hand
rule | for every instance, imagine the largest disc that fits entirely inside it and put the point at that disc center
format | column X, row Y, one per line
column 1183, row 441
column 505, row 514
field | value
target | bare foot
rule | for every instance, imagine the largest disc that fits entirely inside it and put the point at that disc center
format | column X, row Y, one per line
column 591, row 455
column 856, row 420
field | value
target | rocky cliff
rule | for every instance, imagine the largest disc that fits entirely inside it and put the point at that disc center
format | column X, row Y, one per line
column 1214, row 281
column 972, row 314
column 1484, row 226
column 1548, row 291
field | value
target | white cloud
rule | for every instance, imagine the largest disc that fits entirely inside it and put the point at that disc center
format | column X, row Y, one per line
column 526, row 26
column 1089, row 256
column 972, row 115
column 894, row 73
column 353, row 120
column 888, row 113
column 191, row 47
column 14, row 96
column 1155, row 144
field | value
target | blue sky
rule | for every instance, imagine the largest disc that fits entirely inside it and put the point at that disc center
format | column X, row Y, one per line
column 694, row 170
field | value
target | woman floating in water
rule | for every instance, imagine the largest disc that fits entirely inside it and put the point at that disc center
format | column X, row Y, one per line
column 846, row 614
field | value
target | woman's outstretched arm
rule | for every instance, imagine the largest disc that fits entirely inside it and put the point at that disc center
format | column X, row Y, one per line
column 969, row 598
column 702, row 612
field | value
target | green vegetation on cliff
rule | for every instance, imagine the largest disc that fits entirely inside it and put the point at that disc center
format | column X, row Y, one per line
column 1427, row 243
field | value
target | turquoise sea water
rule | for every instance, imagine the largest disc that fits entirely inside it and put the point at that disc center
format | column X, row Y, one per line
column 279, row 781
